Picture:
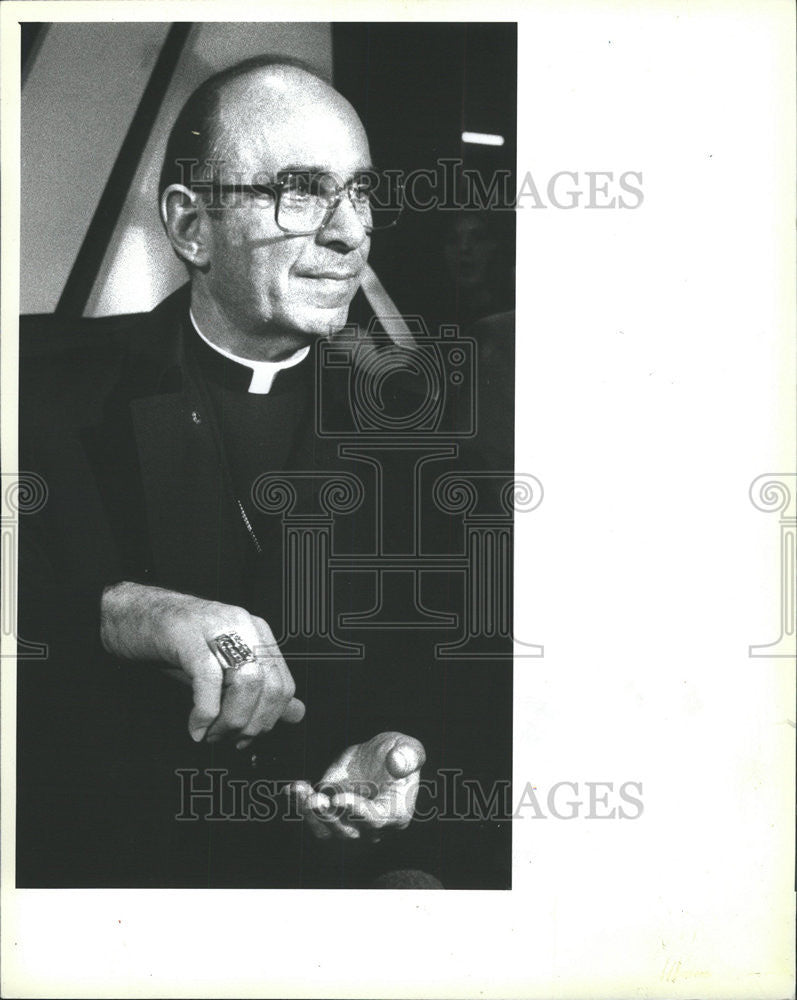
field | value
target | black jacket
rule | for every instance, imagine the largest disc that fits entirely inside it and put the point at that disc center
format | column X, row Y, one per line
column 115, row 423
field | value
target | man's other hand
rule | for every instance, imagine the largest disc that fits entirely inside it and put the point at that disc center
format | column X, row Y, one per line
column 148, row 623
column 371, row 787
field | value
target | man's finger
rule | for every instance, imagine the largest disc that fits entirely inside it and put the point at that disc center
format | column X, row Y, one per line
column 361, row 788
column 205, row 675
column 300, row 791
column 365, row 810
column 342, row 830
column 268, row 649
column 294, row 711
column 256, row 723
column 269, row 706
column 333, row 818
column 242, row 691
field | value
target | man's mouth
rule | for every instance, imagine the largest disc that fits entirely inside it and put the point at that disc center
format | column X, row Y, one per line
column 330, row 275
column 330, row 288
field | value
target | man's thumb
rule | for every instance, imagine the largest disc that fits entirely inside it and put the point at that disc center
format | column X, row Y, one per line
column 405, row 757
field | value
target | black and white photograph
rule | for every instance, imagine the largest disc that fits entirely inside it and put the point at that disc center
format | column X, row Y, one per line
column 270, row 401
column 398, row 493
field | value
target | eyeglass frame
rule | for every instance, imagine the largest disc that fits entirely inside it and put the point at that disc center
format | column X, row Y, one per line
column 275, row 188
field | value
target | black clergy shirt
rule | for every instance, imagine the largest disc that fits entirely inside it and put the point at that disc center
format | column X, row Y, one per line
column 257, row 433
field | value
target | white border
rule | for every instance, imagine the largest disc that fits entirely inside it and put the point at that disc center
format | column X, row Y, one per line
column 624, row 573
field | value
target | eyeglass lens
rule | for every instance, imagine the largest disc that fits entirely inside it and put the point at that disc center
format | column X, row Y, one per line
column 305, row 202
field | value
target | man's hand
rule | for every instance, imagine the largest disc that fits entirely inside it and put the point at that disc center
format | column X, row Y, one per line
column 370, row 787
column 148, row 623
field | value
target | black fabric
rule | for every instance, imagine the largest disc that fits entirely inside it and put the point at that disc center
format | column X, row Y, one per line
column 256, row 434
column 139, row 488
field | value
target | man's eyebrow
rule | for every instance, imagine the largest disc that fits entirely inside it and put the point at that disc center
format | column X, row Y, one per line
column 299, row 168
column 303, row 168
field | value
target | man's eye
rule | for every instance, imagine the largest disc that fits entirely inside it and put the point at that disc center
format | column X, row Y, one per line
column 263, row 192
column 297, row 187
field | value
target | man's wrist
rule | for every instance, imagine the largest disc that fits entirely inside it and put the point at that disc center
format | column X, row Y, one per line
column 128, row 611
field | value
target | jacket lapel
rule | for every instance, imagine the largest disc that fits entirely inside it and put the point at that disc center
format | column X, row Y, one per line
column 179, row 506
column 195, row 538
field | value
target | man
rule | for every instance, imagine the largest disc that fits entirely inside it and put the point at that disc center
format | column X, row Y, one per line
column 150, row 550
column 261, row 295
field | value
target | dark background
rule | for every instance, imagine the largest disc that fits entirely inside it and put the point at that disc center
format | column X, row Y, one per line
column 417, row 88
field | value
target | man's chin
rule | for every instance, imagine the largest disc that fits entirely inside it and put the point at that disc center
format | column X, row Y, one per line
column 325, row 323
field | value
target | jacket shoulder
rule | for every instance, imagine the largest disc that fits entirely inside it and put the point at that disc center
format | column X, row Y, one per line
column 67, row 366
column 51, row 341
column 71, row 364
column 51, row 338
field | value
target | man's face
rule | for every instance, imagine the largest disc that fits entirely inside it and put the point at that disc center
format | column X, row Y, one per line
column 468, row 251
column 263, row 280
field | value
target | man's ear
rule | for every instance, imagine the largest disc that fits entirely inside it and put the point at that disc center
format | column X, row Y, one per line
column 186, row 224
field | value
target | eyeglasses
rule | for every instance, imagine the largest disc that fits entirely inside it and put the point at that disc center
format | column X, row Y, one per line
column 305, row 201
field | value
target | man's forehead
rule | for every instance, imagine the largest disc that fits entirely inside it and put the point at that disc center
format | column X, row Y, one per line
column 268, row 128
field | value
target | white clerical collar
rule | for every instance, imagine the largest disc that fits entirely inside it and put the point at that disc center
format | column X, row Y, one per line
column 263, row 372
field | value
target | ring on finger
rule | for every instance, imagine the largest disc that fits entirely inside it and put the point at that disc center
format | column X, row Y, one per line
column 231, row 651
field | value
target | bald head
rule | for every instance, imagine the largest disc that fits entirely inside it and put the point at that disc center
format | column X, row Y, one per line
column 284, row 108
column 231, row 119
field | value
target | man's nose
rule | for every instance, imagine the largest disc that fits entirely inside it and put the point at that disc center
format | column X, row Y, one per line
column 344, row 226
